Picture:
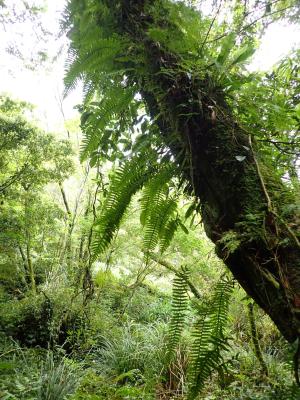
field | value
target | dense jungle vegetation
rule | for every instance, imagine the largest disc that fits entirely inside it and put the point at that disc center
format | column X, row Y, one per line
column 150, row 248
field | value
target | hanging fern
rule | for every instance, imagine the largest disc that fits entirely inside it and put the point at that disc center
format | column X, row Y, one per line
column 99, row 116
column 154, row 189
column 159, row 208
column 84, row 66
column 179, row 308
column 159, row 213
column 126, row 181
column 155, row 227
column 91, row 46
column 209, row 337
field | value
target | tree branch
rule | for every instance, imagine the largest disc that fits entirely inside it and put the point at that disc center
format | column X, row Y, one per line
column 170, row 267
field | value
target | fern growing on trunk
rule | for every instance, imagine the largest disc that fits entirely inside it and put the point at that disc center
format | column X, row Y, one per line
column 163, row 57
column 159, row 214
column 125, row 182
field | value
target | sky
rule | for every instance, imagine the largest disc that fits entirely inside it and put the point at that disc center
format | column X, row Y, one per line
column 44, row 86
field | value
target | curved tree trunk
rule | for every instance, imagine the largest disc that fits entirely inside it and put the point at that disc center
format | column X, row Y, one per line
column 239, row 213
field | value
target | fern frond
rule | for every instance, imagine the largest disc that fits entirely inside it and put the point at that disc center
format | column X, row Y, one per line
column 179, row 308
column 159, row 215
column 101, row 116
column 153, row 190
column 126, row 181
column 85, row 65
column 168, row 233
column 94, row 52
column 209, row 337
column 154, row 229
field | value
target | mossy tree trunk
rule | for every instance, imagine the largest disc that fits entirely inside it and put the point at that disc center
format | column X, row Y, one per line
column 239, row 212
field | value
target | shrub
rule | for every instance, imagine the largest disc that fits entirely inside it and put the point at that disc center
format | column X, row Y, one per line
column 27, row 320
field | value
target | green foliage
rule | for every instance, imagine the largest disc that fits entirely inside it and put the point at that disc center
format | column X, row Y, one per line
column 159, row 210
column 58, row 379
column 22, row 380
column 97, row 43
column 54, row 317
column 113, row 82
column 210, row 340
column 230, row 241
column 125, row 182
column 180, row 303
column 38, row 375
column 118, row 334
column 29, row 159
column 101, row 124
column 30, row 156
column 181, row 33
column 159, row 215
column 91, row 387
column 28, row 320
column 276, row 135
column 134, row 347
column 103, row 50
column 94, row 387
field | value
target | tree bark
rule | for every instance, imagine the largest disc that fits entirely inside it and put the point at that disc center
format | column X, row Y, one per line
column 170, row 267
column 70, row 221
column 30, row 266
column 25, row 266
column 255, row 340
column 237, row 201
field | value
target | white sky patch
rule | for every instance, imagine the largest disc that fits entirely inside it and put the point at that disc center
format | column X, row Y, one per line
column 277, row 42
column 44, row 87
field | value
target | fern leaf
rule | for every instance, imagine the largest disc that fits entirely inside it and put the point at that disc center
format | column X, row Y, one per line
column 155, row 227
column 126, row 181
column 168, row 233
column 153, row 190
column 159, row 211
column 100, row 115
column 179, row 308
column 209, row 337
column 101, row 51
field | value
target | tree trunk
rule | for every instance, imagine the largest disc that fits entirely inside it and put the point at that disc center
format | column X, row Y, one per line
column 255, row 340
column 30, row 266
column 26, row 274
column 70, row 221
column 239, row 212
